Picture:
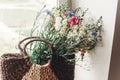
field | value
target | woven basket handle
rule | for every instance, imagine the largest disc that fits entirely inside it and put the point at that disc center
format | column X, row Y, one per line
column 37, row 39
column 25, row 39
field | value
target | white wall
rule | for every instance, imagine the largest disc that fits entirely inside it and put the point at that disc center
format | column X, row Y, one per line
column 98, row 64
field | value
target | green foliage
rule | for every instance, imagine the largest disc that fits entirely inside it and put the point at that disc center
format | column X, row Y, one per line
column 75, row 36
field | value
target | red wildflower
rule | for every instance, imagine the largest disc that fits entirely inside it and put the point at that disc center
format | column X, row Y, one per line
column 73, row 21
column 83, row 51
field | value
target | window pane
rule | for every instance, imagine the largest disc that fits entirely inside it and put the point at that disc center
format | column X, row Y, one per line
column 17, row 17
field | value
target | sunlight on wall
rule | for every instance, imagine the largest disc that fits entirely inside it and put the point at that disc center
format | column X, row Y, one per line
column 17, row 16
column 22, row 13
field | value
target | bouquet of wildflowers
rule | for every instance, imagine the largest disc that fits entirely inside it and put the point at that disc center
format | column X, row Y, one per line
column 69, row 33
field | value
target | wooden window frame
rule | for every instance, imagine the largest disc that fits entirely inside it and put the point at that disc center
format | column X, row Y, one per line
column 114, row 71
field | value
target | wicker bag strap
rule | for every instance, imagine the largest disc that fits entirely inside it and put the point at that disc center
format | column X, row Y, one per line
column 37, row 39
column 25, row 39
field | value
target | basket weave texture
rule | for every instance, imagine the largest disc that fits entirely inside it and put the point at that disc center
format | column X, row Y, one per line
column 14, row 66
column 40, row 72
column 19, row 67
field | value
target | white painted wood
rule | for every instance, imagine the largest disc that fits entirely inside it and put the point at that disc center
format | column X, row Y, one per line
column 100, row 59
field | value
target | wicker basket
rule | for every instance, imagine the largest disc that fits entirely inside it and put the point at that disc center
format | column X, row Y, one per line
column 19, row 67
column 40, row 72
column 14, row 65
column 62, row 69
